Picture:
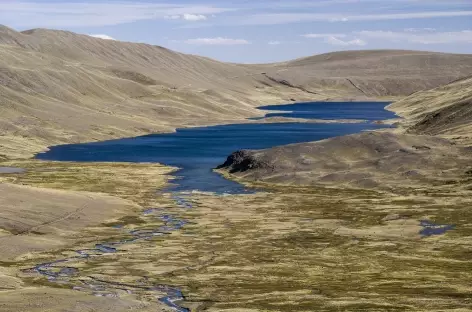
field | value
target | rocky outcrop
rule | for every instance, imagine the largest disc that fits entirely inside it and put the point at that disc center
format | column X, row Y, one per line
column 242, row 161
column 369, row 159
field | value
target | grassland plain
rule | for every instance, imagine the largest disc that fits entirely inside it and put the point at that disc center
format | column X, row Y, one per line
column 282, row 249
column 56, row 207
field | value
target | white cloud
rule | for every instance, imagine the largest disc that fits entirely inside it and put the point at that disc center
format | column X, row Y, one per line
column 339, row 19
column 194, row 17
column 419, row 29
column 274, row 42
column 427, row 37
column 323, row 35
column 217, row 41
column 187, row 17
column 334, row 39
column 102, row 36
column 339, row 42
column 97, row 13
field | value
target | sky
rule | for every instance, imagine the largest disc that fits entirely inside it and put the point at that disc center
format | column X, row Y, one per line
column 257, row 31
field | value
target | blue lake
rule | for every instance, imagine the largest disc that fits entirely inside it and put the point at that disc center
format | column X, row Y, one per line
column 198, row 150
column 332, row 110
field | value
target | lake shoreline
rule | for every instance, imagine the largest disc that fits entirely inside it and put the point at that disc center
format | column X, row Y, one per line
column 215, row 221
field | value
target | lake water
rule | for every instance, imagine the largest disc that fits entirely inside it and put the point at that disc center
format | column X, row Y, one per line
column 198, row 150
column 332, row 110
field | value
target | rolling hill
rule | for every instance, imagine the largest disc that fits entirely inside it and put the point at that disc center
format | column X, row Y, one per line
column 446, row 111
column 431, row 146
column 60, row 87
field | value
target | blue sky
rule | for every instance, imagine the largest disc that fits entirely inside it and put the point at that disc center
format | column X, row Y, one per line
column 257, row 31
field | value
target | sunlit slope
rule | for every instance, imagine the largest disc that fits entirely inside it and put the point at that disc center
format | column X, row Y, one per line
column 370, row 159
column 377, row 73
column 429, row 147
column 61, row 87
column 446, row 110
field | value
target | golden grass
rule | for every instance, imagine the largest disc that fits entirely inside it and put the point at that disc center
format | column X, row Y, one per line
column 283, row 249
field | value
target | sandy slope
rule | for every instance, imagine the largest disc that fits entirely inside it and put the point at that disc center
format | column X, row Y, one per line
column 60, row 87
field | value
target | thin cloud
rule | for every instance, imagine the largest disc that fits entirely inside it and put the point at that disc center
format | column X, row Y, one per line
column 102, row 36
column 94, row 14
column 172, row 17
column 339, row 42
column 286, row 18
column 427, row 29
column 334, row 39
column 217, row 41
column 339, row 19
column 187, row 17
column 428, row 37
column 274, row 42
column 34, row 13
column 194, row 17
column 323, row 35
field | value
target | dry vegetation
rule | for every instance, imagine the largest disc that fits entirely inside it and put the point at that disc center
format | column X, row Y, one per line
column 431, row 145
column 60, row 87
column 445, row 111
column 282, row 249
column 287, row 248
column 53, row 207
column 370, row 160
column 320, row 249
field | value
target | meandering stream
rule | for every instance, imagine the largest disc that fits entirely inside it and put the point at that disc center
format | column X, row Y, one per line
column 196, row 151
column 64, row 271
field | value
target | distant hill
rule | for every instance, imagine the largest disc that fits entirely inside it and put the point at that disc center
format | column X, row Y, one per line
column 61, row 87
column 377, row 73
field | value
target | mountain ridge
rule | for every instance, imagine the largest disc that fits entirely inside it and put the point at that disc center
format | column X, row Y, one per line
column 59, row 87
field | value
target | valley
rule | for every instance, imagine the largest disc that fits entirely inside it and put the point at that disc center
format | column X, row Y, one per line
column 354, row 215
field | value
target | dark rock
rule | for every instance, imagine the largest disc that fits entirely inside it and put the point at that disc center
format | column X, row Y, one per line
column 243, row 160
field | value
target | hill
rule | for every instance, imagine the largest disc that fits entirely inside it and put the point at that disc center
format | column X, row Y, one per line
column 378, row 73
column 60, row 87
column 445, row 111
column 427, row 148
column 369, row 159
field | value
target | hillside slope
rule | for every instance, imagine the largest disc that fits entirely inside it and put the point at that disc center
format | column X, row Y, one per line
column 61, row 87
column 377, row 73
column 428, row 148
column 369, row 159
column 446, row 111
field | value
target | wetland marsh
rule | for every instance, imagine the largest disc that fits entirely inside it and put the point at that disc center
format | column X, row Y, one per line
column 282, row 248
